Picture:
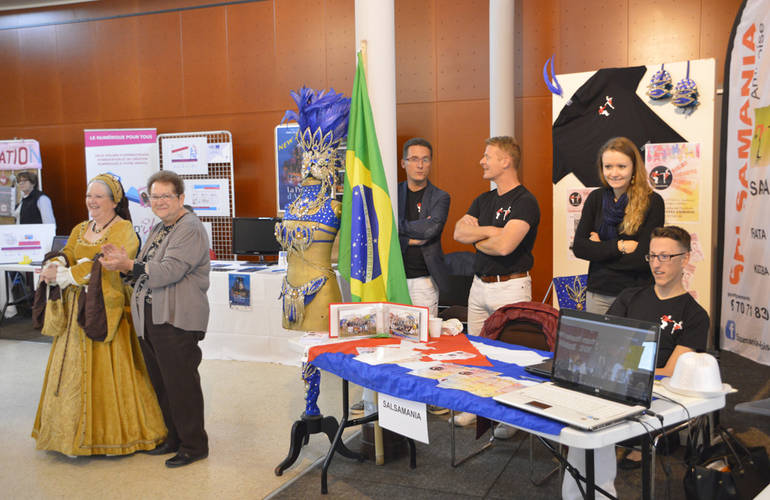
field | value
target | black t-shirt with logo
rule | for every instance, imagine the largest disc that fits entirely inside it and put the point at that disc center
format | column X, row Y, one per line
column 605, row 106
column 414, row 262
column 493, row 210
column 682, row 320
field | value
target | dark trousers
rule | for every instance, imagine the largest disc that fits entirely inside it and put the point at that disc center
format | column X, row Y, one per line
column 172, row 356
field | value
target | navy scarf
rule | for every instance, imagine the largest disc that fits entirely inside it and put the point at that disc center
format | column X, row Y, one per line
column 613, row 212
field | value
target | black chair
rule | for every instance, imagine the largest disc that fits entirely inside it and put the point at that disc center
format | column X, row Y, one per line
column 453, row 299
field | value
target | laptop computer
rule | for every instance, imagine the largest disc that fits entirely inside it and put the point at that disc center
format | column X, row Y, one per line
column 57, row 244
column 603, row 371
column 543, row 369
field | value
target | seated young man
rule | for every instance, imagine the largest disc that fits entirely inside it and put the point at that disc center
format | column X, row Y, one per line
column 684, row 326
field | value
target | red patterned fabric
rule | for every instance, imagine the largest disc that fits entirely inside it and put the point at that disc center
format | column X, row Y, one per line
column 543, row 314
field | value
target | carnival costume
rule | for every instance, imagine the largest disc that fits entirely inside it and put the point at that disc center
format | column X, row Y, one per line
column 97, row 398
column 311, row 221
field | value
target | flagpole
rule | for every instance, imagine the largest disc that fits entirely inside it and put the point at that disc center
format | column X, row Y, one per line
column 364, row 60
column 379, row 446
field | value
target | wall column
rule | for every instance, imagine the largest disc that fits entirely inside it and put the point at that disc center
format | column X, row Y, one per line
column 501, row 67
column 375, row 23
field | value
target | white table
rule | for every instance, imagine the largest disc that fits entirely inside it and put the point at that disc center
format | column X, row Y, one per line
column 672, row 414
column 255, row 334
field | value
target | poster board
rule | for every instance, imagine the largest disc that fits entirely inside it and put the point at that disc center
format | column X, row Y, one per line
column 21, row 241
column 132, row 155
column 16, row 155
column 209, row 191
column 288, row 166
column 698, row 128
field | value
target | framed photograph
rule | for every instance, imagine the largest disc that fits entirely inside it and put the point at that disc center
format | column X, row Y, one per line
column 358, row 321
column 354, row 320
column 407, row 322
column 288, row 164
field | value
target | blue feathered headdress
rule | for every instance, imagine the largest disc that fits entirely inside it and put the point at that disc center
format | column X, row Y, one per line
column 323, row 110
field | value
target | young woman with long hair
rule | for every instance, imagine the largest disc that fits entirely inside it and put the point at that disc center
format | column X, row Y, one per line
column 614, row 229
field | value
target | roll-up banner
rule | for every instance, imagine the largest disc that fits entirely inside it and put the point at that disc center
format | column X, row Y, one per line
column 745, row 295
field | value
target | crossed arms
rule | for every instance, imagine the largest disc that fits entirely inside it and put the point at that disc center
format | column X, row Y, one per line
column 490, row 239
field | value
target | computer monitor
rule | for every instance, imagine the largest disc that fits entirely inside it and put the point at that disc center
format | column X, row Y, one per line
column 255, row 236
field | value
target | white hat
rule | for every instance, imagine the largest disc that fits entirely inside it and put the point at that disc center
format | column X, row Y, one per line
column 697, row 374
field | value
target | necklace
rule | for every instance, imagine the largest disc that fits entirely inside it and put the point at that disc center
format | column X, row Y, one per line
column 97, row 231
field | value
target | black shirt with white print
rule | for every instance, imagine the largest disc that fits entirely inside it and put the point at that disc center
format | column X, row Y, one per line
column 493, row 210
column 682, row 320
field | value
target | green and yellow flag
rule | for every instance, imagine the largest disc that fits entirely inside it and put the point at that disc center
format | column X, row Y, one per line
column 370, row 255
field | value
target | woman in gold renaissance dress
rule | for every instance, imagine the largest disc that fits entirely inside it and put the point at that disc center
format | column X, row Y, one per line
column 97, row 398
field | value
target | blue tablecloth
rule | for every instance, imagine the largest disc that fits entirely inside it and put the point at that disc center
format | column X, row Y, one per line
column 394, row 380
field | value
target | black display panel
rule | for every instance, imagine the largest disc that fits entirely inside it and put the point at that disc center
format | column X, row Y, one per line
column 255, row 236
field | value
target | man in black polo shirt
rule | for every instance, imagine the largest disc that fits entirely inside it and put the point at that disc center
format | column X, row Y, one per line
column 502, row 225
column 422, row 213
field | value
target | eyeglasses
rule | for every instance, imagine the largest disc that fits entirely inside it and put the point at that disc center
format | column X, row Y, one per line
column 416, row 159
column 662, row 257
column 164, row 197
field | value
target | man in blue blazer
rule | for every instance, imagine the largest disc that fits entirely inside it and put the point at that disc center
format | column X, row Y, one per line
column 422, row 212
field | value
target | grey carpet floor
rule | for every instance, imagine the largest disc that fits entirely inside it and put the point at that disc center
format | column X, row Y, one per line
column 19, row 327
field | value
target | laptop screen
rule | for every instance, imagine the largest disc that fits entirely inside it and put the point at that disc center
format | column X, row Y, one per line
column 606, row 356
column 58, row 243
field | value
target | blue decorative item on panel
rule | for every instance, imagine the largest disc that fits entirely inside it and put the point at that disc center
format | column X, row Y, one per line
column 660, row 85
column 550, row 80
column 571, row 291
column 686, row 92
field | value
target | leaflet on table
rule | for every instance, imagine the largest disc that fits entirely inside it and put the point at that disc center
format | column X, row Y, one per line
column 478, row 381
column 240, row 291
column 444, row 370
column 378, row 319
column 482, row 387
column 407, row 352
column 313, row 338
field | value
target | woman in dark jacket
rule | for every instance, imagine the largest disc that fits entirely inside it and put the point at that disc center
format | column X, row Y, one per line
column 614, row 229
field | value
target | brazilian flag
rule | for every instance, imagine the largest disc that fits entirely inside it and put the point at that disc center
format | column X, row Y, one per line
column 369, row 255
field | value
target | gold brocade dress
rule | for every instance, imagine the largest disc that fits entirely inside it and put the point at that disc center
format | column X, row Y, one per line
column 97, row 397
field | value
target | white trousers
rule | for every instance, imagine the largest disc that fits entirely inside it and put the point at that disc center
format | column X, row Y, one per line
column 424, row 292
column 486, row 298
